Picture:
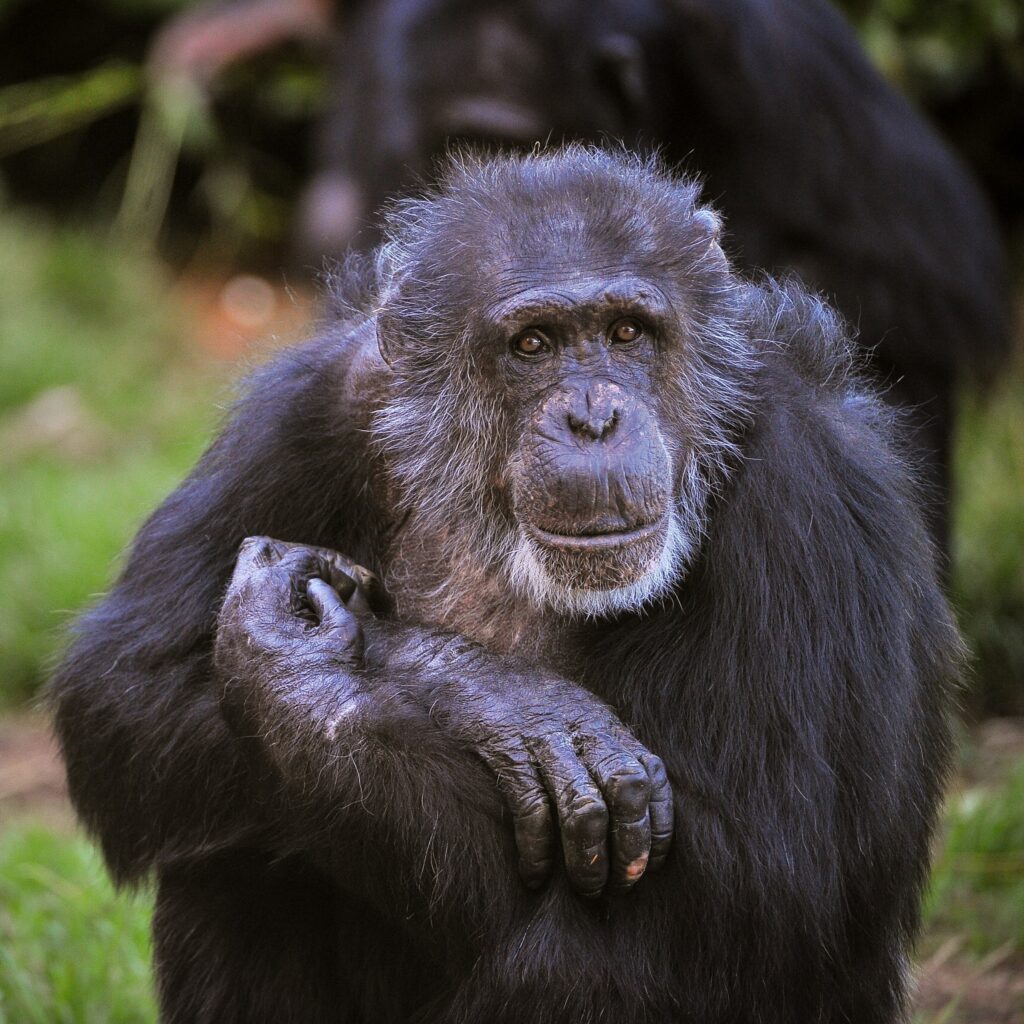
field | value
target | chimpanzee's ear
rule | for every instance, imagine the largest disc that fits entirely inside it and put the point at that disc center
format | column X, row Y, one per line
column 622, row 74
column 709, row 223
column 708, row 243
column 386, row 327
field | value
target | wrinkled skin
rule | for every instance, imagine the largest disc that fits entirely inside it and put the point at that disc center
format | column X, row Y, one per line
column 593, row 484
column 293, row 624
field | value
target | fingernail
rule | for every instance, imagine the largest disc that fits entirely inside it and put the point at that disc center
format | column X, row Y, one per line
column 637, row 867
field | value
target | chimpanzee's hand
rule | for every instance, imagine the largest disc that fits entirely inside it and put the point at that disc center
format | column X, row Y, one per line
column 287, row 623
column 559, row 754
column 552, row 743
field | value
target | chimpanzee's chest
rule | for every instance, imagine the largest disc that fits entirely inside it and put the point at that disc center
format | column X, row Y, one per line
column 445, row 584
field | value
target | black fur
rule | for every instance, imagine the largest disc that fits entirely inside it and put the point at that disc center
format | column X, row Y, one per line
column 795, row 682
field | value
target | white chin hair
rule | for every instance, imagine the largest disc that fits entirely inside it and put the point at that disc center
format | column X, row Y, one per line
column 529, row 577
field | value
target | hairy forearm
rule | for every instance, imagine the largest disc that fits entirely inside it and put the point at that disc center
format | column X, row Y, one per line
column 372, row 793
column 383, row 801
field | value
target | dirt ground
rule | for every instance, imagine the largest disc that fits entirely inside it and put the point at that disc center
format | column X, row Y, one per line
column 32, row 781
column 952, row 987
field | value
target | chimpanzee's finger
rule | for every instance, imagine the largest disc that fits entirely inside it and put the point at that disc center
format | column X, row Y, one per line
column 582, row 814
column 256, row 553
column 273, row 597
column 299, row 565
column 662, row 807
column 263, row 590
column 369, row 598
column 534, row 832
column 626, row 789
column 532, row 818
column 259, row 603
column 373, row 586
column 299, row 559
column 360, row 589
column 334, row 617
column 271, row 550
column 302, row 561
column 358, row 602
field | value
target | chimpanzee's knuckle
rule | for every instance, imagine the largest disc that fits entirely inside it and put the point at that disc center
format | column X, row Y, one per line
column 656, row 770
column 258, row 548
column 589, row 813
column 279, row 577
column 300, row 563
column 630, row 787
column 532, row 804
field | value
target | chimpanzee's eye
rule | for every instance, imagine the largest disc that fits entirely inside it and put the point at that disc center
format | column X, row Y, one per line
column 530, row 343
column 625, row 330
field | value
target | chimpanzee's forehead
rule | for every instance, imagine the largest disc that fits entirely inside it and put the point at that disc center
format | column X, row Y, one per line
column 568, row 254
column 575, row 272
column 499, row 228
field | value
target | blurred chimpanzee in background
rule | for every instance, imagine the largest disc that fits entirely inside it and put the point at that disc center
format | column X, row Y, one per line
column 818, row 165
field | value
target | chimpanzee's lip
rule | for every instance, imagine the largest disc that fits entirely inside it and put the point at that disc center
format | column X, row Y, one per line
column 605, row 540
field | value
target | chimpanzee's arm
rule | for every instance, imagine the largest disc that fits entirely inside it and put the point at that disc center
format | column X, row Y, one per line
column 331, row 721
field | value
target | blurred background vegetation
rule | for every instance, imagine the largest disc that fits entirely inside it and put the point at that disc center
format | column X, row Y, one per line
column 142, row 236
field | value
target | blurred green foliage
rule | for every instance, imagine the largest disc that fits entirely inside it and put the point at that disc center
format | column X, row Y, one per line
column 101, row 413
column 962, row 63
column 977, row 888
column 71, row 951
column 988, row 540
column 934, row 48
column 33, row 112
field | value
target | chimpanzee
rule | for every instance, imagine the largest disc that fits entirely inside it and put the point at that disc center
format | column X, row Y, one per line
column 555, row 639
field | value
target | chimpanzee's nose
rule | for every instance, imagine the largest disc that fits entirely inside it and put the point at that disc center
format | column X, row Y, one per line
column 594, row 414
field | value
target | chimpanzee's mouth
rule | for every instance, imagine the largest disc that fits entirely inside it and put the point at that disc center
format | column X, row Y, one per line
column 596, row 539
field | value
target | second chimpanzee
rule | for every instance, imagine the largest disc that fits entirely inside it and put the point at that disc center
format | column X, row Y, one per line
column 646, row 717
column 819, row 166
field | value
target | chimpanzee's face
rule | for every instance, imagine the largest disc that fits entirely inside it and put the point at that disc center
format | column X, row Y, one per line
column 419, row 80
column 560, row 408
column 591, row 476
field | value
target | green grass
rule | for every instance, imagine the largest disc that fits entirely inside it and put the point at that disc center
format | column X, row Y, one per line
column 71, row 950
column 977, row 887
column 988, row 555
column 94, row 331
